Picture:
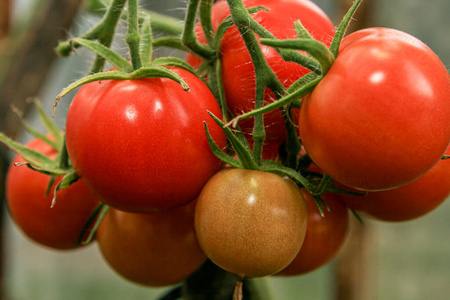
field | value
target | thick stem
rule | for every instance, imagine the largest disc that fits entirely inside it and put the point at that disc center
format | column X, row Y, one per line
column 264, row 75
column 188, row 37
column 132, row 37
column 205, row 20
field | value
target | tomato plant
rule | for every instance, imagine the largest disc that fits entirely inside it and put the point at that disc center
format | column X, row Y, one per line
column 140, row 144
column 407, row 202
column 57, row 227
column 238, row 72
column 249, row 222
column 324, row 235
column 380, row 118
column 153, row 249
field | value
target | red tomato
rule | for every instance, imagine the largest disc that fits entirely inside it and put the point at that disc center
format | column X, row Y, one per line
column 410, row 201
column 58, row 227
column 141, row 144
column 151, row 249
column 324, row 235
column 250, row 223
column 380, row 118
column 238, row 72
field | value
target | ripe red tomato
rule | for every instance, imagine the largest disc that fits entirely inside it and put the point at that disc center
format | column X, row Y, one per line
column 238, row 71
column 140, row 145
column 250, row 223
column 58, row 227
column 407, row 202
column 380, row 118
column 324, row 235
column 154, row 249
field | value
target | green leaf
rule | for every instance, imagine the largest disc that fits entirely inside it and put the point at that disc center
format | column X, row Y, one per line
column 117, row 75
column 314, row 48
column 30, row 129
column 65, row 182
column 301, row 31
column 245, row 156
column 49, row 123
column 33, row 157
column 324, row 185
column 304, row 90
column 278, row 168
column 152, row 72
column 342, row 28
column 219, row 152
column 115, row 59
column 173, row 62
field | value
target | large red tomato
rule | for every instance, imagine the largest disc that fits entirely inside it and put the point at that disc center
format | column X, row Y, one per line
column 58, row 227
column 324, row 235
column 407, row 202
column 238, row 71
column 151, row 249
column 380, row 118
column 140, row 145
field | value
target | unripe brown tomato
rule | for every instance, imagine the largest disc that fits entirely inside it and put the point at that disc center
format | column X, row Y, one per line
column 324, row 235
column 250, row 223
column 155, row 249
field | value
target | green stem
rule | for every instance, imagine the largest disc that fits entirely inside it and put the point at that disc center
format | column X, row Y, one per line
column 264, row 75
column 132, row 37
column 105, row 30
column 315, row 48
column 165, row 24
column 188, row 37
column 205, row 20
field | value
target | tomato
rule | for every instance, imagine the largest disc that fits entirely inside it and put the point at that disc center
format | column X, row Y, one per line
column 140, row 145
column 58, row 227
column 380, row 118
column 410, row 201
column 154, row 249
column 324, row 235
column 238, row 71
column 250, row 223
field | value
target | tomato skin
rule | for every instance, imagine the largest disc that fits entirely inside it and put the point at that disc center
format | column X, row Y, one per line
column 250, row 223
column 58, row 227
column 238, row 72
column 380, row 118
column 408, row 202
column 141, row 144
column 324, row 235
column 155, row 249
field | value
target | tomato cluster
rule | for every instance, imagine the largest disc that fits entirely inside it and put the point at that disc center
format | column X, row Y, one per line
column 367, row 130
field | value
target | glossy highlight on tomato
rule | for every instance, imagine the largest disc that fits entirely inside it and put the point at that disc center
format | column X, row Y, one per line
column 250, row 223
column 380, row 118
column 30, row 208
column 325, row 235
column 140, row 145
column 154, row 249
column 238, row 72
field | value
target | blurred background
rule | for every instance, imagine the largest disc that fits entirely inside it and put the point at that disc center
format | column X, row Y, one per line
column 407, row 261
